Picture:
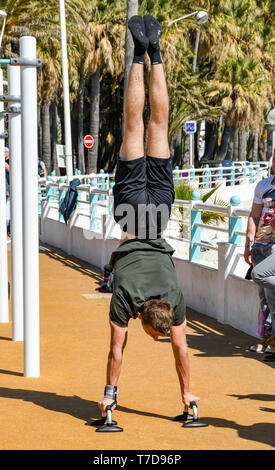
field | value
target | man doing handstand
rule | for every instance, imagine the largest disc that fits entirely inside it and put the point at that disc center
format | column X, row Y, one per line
column 145, row 281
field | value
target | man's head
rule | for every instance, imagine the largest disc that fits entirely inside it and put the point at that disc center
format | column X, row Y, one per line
column 157, row 317
column 7, row 153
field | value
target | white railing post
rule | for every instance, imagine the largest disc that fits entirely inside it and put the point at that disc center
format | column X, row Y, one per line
column 4, row 299
column 16, row 206
column 30, row 213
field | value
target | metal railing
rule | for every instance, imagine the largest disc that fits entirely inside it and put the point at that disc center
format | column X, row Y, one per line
column 238, row 173
column 185, row 223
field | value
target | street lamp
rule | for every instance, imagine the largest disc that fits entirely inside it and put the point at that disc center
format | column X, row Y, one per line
column 66, row 93
column 3, row 14
column 201, row 17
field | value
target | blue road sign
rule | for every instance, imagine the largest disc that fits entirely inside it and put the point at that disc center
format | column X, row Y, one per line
column 190, row 127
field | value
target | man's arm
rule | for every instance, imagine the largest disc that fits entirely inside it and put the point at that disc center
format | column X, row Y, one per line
column 118, row 343
column 252, row 224
column 179, row 345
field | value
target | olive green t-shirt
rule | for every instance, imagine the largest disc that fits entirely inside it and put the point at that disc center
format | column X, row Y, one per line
column 144, row 270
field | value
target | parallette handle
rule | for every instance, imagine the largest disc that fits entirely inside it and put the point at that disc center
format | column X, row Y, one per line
column 194, row 406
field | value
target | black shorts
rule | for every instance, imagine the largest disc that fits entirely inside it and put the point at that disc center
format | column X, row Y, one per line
column 143, row 195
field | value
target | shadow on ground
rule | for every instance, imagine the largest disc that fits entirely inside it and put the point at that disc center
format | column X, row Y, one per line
column 260, row 432
column 212, row 339
column 88, row 411
column 72, row 262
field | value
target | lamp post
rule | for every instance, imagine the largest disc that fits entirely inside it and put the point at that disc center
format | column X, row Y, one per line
column 66, row 94
column 201, row 17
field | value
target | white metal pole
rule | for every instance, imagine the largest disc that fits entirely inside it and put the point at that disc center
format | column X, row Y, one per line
column 16, row 207
column 191, row 149
column 4, row 300
column 66, row 93
column 27, row 46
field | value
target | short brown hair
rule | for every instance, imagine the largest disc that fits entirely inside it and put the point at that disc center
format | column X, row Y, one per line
column 158, row 314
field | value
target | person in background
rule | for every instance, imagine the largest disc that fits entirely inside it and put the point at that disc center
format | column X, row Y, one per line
column 42, row 171
column 260, row 244
column 264, row 273
column 7, row 170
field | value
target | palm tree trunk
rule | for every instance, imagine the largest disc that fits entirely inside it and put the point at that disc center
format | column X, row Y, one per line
column 235, row 155
column 267, row 144
column 255, row 145
column 262, row 150
column 242, row 145
column 80, row 146
column 94, row 120
column 211, row 139
column 229, row 153
column 46, row 135
column 39, row 130
column 197, row 145
column 132, row 9
column 175, row 148
column 226, row 136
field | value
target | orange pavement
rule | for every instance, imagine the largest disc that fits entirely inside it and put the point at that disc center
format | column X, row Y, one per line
column 53, row 412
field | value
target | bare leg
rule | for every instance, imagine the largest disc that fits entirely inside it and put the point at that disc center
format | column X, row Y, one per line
column 159, row 104
column 133, row 137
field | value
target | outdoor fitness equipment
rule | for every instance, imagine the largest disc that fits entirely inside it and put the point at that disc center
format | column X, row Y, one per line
column 106, row 424
column 186, row 417
column 24, row 201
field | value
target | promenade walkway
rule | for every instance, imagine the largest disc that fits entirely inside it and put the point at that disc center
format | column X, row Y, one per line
column 53, row 412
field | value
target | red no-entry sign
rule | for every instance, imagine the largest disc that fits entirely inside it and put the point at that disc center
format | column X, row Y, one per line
column 88, row 141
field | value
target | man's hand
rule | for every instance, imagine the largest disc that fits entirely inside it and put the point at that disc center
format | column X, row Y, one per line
column 252, row 224
column 105, row 402
column 272, row 222
column 248, row 255
column 188, row 397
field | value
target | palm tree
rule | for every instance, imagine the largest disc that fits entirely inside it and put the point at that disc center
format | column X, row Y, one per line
column 19, row 23
column 48, row 81
column 40, row 19
column 234, row 41
column 243, row 88
column 234, row 77
column 96, row 50
column 183, row 191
